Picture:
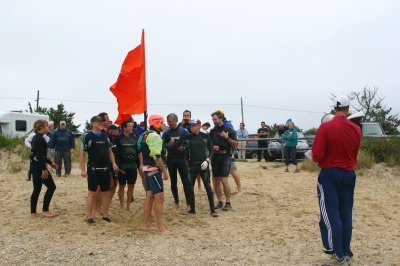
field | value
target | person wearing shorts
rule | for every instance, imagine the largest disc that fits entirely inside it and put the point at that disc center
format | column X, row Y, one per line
column 97, row 171
column 223, row 139
column 150, row 151
column 127, row 156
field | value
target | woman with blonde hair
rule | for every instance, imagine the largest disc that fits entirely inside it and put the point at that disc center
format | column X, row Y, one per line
column 40, row 174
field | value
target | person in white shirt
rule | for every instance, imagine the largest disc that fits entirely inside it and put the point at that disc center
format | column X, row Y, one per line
column 242, row 133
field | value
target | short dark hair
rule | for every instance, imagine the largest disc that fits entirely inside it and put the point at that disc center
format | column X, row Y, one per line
column 103, row 116
column 242, row 124
column 187, row 111
column 341, row 109
column 218, row 113
column 124, row 124
column 206, row 124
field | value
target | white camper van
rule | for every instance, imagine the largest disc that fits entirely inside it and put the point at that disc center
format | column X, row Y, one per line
column 18, row 123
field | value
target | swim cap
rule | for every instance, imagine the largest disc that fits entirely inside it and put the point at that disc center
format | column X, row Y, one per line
column 156, row 121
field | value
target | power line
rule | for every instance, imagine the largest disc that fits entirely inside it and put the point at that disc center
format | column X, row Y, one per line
column 172, row 104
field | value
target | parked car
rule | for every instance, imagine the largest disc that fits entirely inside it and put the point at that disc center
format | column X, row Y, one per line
column 372, row 129
column 251, row 149
column 275, row 147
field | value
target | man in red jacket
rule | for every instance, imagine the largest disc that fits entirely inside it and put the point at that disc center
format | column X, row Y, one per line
column 335, row 150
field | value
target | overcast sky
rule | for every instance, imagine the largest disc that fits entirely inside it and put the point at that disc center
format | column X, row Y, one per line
column 201, row 55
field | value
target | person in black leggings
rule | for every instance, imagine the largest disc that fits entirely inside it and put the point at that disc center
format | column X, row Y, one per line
column 40, row 174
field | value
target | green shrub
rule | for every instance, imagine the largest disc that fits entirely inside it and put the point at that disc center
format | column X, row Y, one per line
column 10, row 143
column 383, row 149
column 14, row 167
column 309, row 166
column 365, row 160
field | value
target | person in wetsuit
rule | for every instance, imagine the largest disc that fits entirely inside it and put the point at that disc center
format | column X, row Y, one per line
column 38, row 169
column 223, row 139
column 97, row 145
column 127, row 158
column 150, row 151
column 175, row 159
column 198, row 150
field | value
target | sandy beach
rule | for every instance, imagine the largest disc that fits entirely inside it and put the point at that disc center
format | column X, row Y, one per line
column 275, row 222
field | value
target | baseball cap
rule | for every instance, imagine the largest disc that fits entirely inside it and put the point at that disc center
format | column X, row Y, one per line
column 95, row 118
column 195, row 122
column 62, row 122
column 341, row 101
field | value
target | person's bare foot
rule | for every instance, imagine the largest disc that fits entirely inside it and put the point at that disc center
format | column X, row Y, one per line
column 34, row 215
column 239, row 193
column 128, row 208
column 147, row 227
column 49, row 214
column 164, row 232
column 176, row 205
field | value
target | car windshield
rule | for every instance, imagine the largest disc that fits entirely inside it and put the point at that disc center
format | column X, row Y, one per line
column 372, row 130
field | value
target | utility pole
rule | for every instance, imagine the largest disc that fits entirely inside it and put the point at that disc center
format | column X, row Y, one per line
column 37, row 100
column 241, row 107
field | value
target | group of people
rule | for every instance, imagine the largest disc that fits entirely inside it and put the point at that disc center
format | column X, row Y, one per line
column 118, row 155
column 190, row 151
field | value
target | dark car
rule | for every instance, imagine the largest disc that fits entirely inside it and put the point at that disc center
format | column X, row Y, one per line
column 251, row 147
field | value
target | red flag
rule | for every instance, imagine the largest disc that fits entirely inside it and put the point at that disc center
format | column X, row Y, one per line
column 130, row 88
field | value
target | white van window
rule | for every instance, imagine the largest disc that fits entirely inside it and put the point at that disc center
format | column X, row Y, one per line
column 20, row 125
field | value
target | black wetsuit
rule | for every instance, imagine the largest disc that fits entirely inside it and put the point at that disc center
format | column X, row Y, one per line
column 38, row 160
column 176, row 162
column 127, row 158
column 97, row 145
column 154, row 182
column 221, row 159
column 198, row 148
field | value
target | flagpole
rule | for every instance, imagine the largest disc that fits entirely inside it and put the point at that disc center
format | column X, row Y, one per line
column 145, row 120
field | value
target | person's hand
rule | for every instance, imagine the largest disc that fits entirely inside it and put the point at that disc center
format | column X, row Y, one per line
column 165, row 175
column 83, row 173
column 224, row 134
column 181, row 148
column 45, row 174
column 115, row 167
column 215, row 148
column 205, row 164
column 54, row 166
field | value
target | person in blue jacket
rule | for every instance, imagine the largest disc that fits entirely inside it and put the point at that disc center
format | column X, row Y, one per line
column 63, row 142
column 290, row 139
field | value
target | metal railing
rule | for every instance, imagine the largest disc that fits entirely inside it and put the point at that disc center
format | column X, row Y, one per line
column 279, row 140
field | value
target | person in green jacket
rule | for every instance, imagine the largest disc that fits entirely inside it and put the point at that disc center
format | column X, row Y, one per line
column 290, row 140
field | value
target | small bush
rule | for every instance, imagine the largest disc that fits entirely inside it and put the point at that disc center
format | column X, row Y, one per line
column 365, row 160
column 14, row 167
column 309, row 166
column 384, row 149
column 9, row 143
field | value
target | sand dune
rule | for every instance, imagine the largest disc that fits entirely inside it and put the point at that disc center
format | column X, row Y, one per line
column 275, row 222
